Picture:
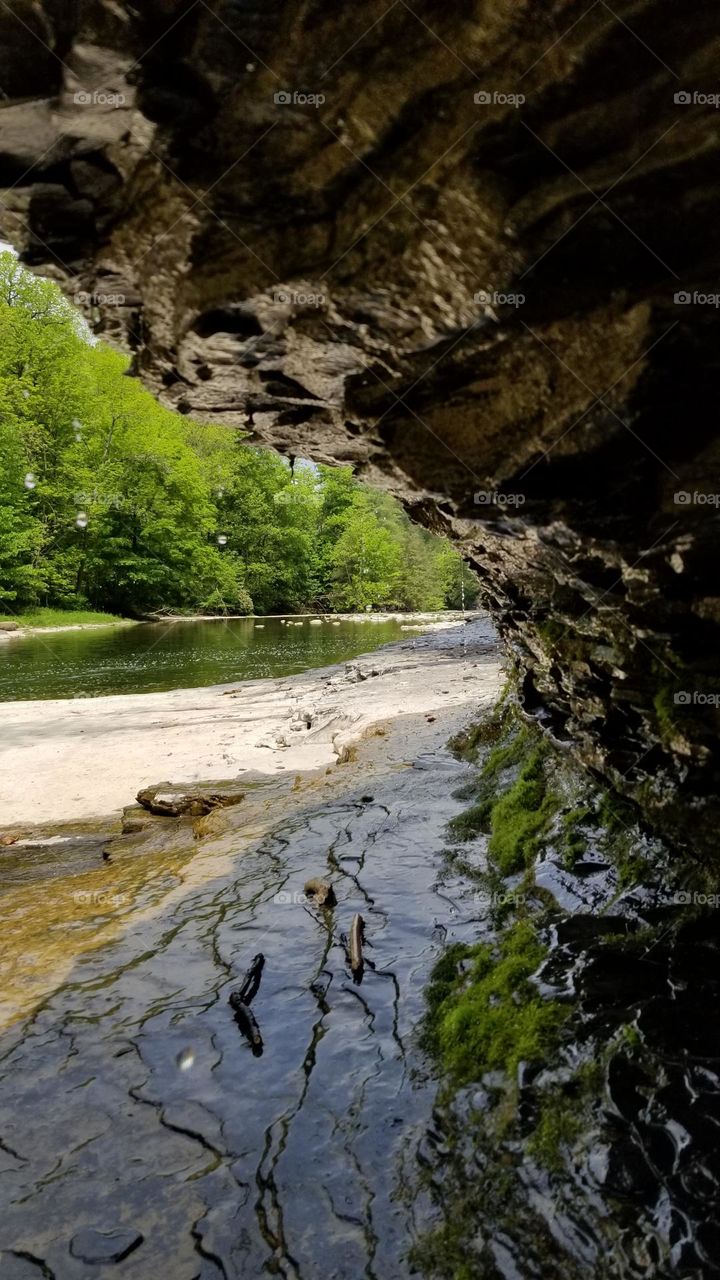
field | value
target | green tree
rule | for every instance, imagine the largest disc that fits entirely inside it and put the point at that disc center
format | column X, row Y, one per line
column 109, row 499
column 270, row 515
column 366, row 559
column 119, row 513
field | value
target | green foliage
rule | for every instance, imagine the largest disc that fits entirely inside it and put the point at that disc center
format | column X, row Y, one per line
column 154, row 492
column 366, row 561
column 63, row 618
column 373, row 554
column 485, row 1013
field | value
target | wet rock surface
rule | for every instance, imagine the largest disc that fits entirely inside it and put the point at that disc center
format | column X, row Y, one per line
column 93, row 1245
column 133, row 1107
column 167, row 800
column 142, row 1120
column 623, row 1182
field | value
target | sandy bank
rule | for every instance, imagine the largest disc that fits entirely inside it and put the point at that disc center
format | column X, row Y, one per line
column 62, row 760
column 22, row 632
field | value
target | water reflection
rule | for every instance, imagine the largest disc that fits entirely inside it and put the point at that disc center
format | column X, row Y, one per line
column 151, row 657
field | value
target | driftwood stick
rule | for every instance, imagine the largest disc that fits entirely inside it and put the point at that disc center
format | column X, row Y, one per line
column 357, row 934
column 250, row 984
column 247, row 1023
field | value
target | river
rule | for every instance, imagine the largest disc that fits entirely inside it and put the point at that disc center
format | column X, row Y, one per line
column 156, row 656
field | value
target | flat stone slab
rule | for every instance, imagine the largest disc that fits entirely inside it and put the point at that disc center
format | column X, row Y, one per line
column 92, row 1245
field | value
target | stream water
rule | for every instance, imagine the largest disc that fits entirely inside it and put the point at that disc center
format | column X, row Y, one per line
column 153, row 656
column 140, row 1137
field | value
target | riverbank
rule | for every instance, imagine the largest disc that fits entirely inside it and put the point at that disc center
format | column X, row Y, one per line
column 438, row 617
column 48, row 621
column 65, row 760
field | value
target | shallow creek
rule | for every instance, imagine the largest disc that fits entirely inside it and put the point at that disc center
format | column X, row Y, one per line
column 139, row 1136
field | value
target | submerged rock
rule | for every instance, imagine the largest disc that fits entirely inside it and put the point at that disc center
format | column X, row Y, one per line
column 168, row 800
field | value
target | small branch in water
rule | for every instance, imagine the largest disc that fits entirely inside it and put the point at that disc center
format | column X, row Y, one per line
column 247, row 1023
column 240, row 1001
column 250, row 984
column 357, row 935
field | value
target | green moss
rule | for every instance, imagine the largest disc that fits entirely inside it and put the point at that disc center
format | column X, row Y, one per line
column 616, row 814
column 631, row 1038
column 559, row 1125
column 515, row 815
column 520, row 813
column 551, row 631
column 665, row 714
column 561, row 636
column 491, row 1016
column 573, row 843
column 507, row 754
column 444, row 978
column 472, row 822
column 466, row 745
column 522, row 816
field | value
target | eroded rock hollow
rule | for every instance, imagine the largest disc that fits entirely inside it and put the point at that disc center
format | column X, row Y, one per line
column 470, row 249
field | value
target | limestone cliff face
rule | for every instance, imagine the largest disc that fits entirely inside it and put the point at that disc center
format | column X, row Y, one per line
column 444, row 243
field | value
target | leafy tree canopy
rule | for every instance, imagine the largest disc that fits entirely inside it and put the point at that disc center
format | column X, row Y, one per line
column 110, row 500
